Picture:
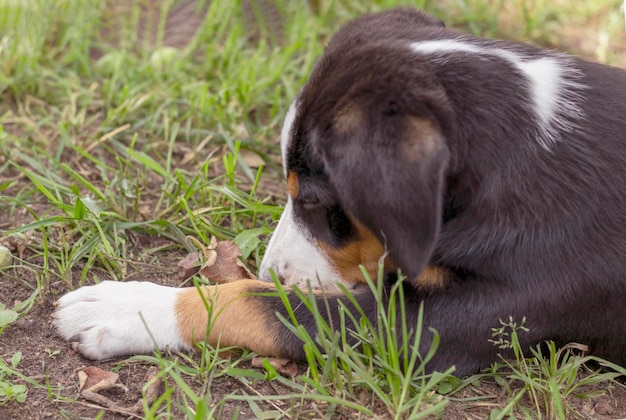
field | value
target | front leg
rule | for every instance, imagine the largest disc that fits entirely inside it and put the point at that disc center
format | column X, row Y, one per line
column 122, row 318
column 119, row 318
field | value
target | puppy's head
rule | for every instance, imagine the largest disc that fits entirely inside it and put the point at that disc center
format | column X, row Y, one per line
column 364, row 150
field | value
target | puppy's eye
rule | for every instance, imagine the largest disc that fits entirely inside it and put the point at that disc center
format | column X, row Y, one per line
column 338, row 224
column 310, row 202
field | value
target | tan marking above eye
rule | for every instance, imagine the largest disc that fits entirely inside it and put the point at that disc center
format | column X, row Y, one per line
column 349, row 119
column 421, row 140
column 366, row 250
column 292, row 184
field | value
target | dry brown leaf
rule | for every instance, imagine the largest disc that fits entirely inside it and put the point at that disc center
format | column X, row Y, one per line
column 283, row 366
column 222, row 263
column 95, row 379
column 210, row 257
column 249, row 274
column 189, row 266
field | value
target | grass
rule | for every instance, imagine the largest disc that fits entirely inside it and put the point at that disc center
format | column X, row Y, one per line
column 103, row 146
column 390, row 370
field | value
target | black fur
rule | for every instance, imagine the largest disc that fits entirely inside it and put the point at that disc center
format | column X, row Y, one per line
column 531, row 230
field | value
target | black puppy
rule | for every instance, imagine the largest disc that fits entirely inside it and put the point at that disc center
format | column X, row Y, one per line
column 493, row 174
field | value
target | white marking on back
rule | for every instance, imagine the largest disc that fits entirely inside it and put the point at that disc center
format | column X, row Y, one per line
column 553, row 82
column 545, row 80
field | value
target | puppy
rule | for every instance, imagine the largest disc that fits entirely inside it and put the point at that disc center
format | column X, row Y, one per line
column 491, row 173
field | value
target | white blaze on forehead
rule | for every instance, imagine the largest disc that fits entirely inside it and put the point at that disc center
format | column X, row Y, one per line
column 552, row 81
column 296, row 257
column 286, row 133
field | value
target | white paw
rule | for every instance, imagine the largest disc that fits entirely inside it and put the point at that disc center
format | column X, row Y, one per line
column 119, row 318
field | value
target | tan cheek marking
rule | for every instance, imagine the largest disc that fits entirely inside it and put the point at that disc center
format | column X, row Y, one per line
column 433, row 277
column 237, row 319
column 366, row 250
column 292, row 184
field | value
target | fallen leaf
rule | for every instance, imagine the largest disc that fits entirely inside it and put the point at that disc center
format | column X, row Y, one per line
column 282, row 366
column 222, row 263
column 189, row 266
column 95, row 379
column 248, row 273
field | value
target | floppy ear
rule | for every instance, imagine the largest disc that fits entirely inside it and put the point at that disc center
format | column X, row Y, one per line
column 389, row 172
